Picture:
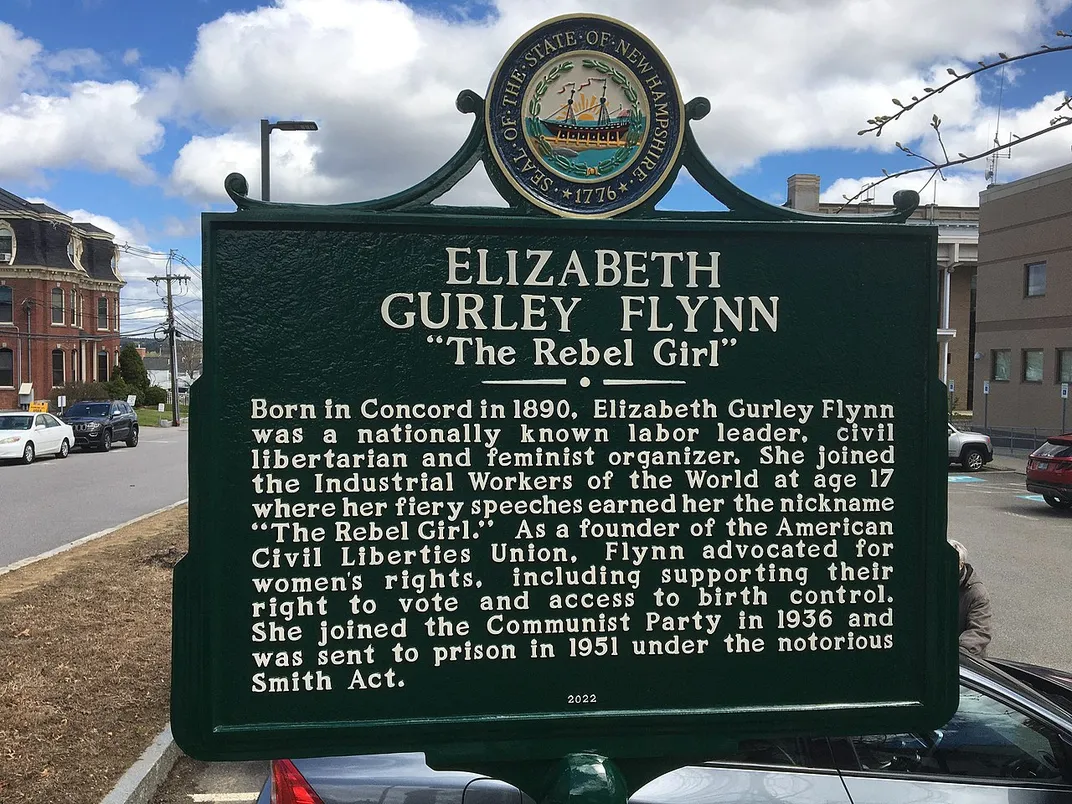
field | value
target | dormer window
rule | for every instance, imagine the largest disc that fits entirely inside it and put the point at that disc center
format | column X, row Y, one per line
column 7, row 244
column 115, row 261
column 74, row 251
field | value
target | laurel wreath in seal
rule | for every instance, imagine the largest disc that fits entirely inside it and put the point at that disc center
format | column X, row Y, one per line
column 636, row 128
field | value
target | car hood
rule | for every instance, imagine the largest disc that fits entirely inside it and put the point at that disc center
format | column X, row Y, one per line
column 85, row 419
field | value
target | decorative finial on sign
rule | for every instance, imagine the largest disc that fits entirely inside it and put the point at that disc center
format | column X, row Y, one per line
column 697, row 108
column 469, row 102
column 238, row 189
column 906, row 201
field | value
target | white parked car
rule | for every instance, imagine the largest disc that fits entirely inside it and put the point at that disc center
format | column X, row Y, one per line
column 24, row 436
column 970, row 450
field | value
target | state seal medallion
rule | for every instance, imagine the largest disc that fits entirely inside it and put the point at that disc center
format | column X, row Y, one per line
column 584, row 117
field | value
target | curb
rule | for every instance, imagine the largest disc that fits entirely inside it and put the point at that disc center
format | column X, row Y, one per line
column 139, row 784
column 63, row 548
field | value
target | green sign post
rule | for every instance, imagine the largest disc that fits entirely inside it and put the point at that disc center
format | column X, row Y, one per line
column 573, row 475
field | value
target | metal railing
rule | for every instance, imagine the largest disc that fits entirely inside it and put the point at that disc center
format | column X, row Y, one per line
column 1016, row 440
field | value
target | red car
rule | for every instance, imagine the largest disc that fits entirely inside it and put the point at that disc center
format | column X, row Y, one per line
column 1049, row 471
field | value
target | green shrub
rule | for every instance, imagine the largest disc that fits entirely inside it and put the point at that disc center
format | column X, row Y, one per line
column 80, row 391
column 131, row 368
column 118, row 388
column 155, row 395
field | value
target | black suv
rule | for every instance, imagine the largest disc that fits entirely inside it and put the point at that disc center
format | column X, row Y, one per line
column 101, row 424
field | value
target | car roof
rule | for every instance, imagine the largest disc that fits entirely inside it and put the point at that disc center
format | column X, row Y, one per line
column 1064, row 440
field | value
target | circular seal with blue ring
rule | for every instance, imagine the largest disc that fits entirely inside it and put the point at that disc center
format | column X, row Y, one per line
column 584, row 117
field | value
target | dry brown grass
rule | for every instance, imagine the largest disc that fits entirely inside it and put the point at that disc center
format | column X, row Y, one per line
column 85, row 652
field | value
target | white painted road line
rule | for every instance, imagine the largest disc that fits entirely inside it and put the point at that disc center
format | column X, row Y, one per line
column 210, row 797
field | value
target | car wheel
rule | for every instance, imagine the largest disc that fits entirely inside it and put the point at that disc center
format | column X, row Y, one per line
column 1057, row 502
column 28, row 453
column 132, row 439
column 972, row 459
column 106, row 441
column 65, row 449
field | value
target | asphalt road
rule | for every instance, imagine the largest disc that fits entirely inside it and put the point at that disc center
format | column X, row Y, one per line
column 1022, row 550
column 52, row 502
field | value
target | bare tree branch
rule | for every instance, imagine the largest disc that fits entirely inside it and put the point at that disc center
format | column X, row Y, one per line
column 1056, row 123
column 879, row 122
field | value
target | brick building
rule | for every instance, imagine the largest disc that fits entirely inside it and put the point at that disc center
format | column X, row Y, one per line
column 59, row 301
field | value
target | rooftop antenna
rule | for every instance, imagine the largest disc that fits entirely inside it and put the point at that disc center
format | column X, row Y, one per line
column 991, row 174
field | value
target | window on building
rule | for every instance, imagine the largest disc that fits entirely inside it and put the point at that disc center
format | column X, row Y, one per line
column 1032, row 365
column 6, row 305
column 7, row 244
column 102, row 367
column 102, row 312
column 73, row 302
column 7, row 368
column 1064, row 365
column 57, row 305
column 74, row 365
column 1035, row 279
column 72, row 251
column 57, row 368
column 115, row 260
column 1001, row 365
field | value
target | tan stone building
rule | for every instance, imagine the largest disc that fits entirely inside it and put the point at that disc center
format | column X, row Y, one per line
column 1024, row 315
column 958, row 238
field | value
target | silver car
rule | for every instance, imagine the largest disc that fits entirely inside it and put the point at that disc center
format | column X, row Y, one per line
column 970, row 450
column 1009, row 741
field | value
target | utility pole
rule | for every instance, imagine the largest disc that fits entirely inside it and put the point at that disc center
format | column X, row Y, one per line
column 169, row 278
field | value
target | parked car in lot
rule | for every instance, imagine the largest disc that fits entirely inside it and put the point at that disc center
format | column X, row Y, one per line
column 1049, row 471
column 970, row 450
column 1009, row 741
column 24, row 436
column 98, row 425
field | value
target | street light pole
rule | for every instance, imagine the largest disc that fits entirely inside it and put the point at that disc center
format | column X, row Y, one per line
column 267, row 128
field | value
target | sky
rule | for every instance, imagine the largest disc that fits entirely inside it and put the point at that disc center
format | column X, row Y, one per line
column 129, row 114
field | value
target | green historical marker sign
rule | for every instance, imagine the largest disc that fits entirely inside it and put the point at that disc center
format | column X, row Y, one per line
column 502, row 484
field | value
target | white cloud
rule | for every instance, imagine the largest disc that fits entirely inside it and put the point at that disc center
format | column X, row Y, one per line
column 73, row 60
column 17, row 53
column 49, row 121
column 380, row 79
column 955, row 190
column 142, row 301
column 93, row 125
column 204, row 162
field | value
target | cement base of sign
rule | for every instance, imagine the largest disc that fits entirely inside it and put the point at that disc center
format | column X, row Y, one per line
column 140, row 783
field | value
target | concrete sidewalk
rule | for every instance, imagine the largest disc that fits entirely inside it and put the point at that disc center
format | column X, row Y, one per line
column 1010, row 463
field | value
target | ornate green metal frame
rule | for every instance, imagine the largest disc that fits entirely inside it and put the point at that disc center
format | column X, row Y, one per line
column 420, row 197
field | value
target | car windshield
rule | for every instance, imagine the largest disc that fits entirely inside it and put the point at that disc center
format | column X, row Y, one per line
column 16, row 422
column 83, row 409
